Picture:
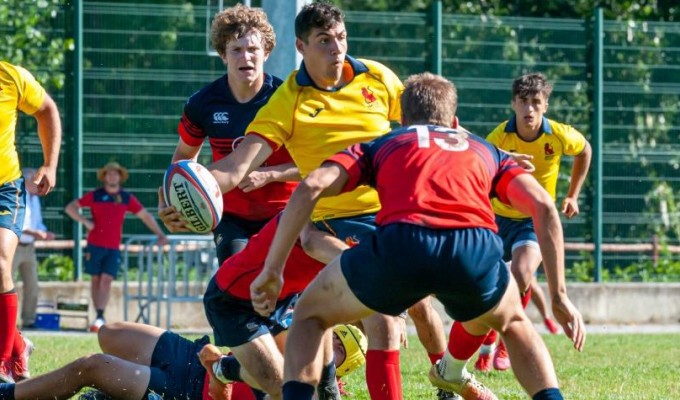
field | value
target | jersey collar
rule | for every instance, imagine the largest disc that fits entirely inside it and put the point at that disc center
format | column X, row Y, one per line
column 352, row 66
column 511, row 126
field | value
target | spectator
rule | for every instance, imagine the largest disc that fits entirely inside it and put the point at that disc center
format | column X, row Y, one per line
column 25, row 259
column 108, row 205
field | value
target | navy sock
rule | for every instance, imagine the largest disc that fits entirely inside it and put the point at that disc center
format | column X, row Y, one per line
column 231, row 368
column 294, row 390
column 259, row 395
column 328, row 385
column 548, row 394
column 7, row 391
column 100, row 314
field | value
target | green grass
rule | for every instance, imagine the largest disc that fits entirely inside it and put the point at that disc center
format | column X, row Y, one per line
column 612, row 366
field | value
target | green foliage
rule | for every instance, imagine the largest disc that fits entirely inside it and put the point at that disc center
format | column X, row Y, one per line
column 56, row 267
column 30, row 38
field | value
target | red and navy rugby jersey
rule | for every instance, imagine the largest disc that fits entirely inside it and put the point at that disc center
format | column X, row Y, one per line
column 213, row 112
column 431, row 176
column 238, row 271
column 108, row 214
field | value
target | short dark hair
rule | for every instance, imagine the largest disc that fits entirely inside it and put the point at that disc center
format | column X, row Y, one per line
column 530, row 85
column 316, row 15
column 429, row 99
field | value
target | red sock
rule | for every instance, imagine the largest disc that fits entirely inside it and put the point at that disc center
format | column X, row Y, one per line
column 526, row 298
column 241, row 391
column 434, row 357
column 463, row 345
column 383, row 375
column 8, row 323
column 490, row 338
column 19, row 344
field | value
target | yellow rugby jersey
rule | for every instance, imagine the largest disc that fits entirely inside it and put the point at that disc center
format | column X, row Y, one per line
column 555, row 140
column 314, row 124
column 18, row 91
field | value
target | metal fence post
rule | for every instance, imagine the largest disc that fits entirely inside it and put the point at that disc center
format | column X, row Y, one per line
column 597, row 142
column 436, row 15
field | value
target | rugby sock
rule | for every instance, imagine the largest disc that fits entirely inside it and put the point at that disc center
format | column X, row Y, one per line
column 489, row 343
column 383, row 375
column 294, row 390
column 7, row 391
column 100, row 314
column 434, row 357
column 230, row 369
column 548, row 394
column 8, row 323
column 328, row 387
column 462, row 345
column 19, row 344
column 241, row 391
column 259, row 395
column 526, row 298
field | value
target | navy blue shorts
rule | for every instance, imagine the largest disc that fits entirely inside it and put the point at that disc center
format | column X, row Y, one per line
column 232, row 234
column 515, row 233
column 13, row 206
column 176, row 371
column 235, row 321
column 350, row 229
column 403, row 263
column 100, row 260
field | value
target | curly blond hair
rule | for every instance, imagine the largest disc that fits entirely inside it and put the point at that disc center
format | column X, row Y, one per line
column 234, row 22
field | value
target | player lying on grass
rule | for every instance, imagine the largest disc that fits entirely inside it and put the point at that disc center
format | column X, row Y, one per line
column 140, row 359
column 436, row 236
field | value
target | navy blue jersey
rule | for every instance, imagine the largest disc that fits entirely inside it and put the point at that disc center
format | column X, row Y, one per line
column 214, row 113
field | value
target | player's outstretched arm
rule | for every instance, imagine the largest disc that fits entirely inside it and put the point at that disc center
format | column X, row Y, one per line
column 250, row 154
column 328, row 180
column 529, row 197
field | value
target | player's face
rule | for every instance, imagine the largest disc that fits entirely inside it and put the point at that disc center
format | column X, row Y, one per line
column 339, row 351
column 529, row 111
column 324, row 55
column 112, row 177
column 245, row 57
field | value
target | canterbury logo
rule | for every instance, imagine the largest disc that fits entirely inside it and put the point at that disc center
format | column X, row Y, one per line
column 316, row 112
column 221, row 117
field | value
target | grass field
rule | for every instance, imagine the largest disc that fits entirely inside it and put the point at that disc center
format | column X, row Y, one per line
column 612, row 366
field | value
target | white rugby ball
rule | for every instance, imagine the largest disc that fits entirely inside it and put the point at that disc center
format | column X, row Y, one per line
column 194, row 192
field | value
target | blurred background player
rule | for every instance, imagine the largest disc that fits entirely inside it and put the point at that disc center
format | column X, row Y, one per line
column 108, row 206
column 222, row 110
column 543, row 142
column 25, row 259
column 430, row 216
column 19, row 91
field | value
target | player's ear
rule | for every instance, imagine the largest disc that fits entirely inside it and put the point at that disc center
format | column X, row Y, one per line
column 300, row 46
column 454, row 124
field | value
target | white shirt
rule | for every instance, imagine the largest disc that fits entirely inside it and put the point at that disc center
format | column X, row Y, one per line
column 33, row 218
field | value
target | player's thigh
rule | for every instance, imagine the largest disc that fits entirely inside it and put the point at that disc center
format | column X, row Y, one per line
column 509, row 309
column 329, row 299
column 129, row 341
column 525, row 261
column 383, row 331
column 263, row 361
column 8, row 244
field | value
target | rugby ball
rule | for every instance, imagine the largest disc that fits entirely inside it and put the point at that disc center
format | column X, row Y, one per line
column 194, row 192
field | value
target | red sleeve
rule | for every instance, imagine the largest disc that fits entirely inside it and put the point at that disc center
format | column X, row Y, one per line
column 349, row 160
column 134, row 206
column 508, row 171
column 191, row 134
column 86, row 200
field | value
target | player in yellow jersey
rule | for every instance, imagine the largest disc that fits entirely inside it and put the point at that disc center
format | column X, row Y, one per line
column 19, row 91
column 331, row 102
column 531, row 136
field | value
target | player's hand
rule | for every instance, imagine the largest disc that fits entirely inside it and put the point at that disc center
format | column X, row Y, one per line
column 161, row 240
column 264, row 292
column 172, row 219
column 570, row 207
column 89, row 225
column 254, row 180
column 524, row 161
column 45, row 179
column 571, row 320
